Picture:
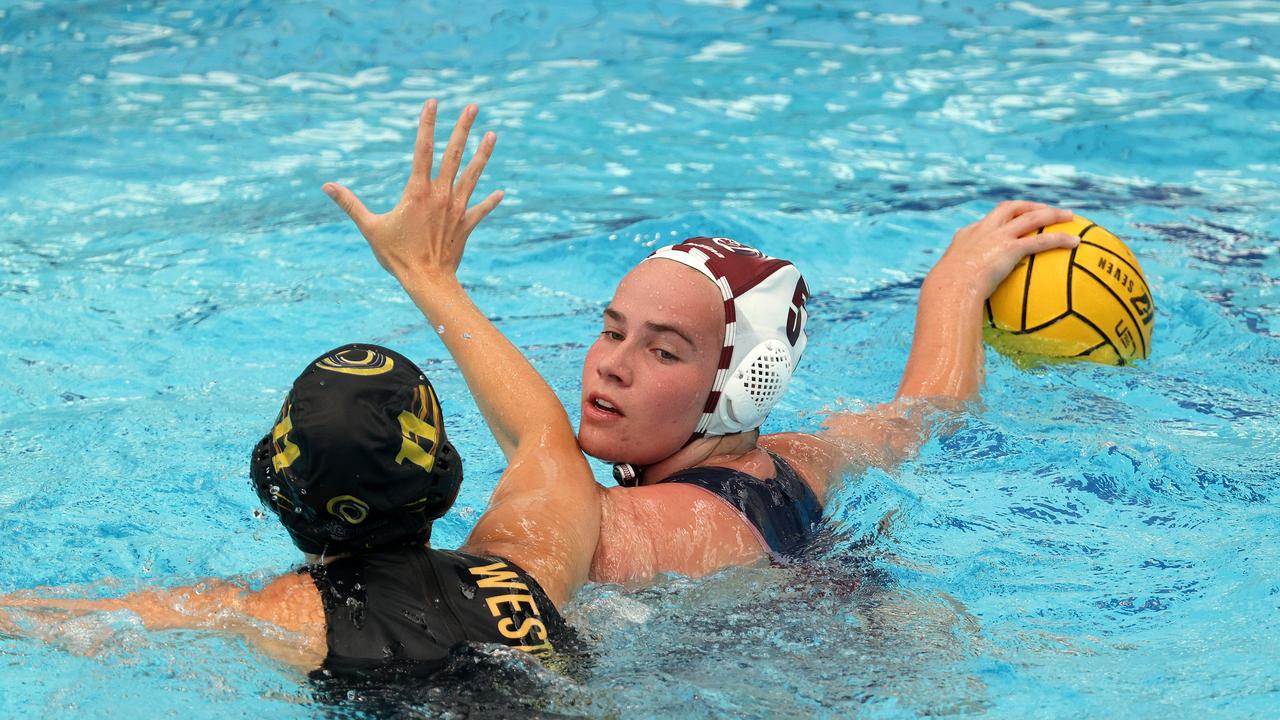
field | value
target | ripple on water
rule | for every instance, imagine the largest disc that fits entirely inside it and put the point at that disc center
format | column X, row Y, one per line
column 1096, row 541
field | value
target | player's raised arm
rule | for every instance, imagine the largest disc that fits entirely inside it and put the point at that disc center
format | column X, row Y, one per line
column 545, row 513
column 945, row 364
column 945, row 367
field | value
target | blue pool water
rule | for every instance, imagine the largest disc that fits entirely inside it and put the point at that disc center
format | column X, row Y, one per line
column 1094, row 541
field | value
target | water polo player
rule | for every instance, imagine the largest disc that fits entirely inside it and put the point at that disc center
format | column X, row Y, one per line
column 358, row 464
column 356, row 467
column 698, row 344
column 700, row 341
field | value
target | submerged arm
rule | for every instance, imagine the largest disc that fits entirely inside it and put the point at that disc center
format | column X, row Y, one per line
column 545, row 513
column 284, row 620
column 945, row 367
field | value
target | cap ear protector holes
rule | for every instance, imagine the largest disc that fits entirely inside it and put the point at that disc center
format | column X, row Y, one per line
column 349, row 508
column 756, row 385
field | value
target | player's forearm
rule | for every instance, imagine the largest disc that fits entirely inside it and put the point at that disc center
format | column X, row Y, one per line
column 158, row 609
column 545, row 513
column 944, row 369
column 518, row 404
column 945, row 364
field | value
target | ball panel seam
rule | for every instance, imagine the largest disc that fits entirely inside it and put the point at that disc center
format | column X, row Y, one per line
column 1105, row 338
column 1124, row 305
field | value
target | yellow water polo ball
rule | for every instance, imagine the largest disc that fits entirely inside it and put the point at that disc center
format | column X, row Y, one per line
column 1090, row 302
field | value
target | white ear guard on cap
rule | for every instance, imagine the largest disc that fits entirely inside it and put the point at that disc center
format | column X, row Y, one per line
column 754, row 388
column 764, row 334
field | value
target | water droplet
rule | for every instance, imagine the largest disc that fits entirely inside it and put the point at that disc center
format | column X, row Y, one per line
column 275, row 489
column 297, row 508
column 466, row 336
column 302, row 490
column 440, row 329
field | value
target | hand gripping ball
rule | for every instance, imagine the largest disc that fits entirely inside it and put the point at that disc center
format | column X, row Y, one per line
column 1091, row 302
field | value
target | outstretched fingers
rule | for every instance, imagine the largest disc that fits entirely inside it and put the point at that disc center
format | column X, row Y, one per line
column 351, row 205
column 457, row 144
column 481, row 209
column 424, row 147
column 475, row 168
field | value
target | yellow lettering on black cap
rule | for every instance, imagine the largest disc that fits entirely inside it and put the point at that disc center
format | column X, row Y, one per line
column 418, row 426
column 412, row 430
column 286, row 451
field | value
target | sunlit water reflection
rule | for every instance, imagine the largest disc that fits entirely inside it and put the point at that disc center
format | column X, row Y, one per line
column 1095, row 541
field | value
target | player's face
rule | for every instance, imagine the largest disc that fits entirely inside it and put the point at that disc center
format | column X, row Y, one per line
column 650, row 371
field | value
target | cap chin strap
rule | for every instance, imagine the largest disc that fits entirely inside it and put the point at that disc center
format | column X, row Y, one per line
column 626, row 474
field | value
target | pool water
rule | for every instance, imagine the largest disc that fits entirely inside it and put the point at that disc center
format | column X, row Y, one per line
column 1092, row 541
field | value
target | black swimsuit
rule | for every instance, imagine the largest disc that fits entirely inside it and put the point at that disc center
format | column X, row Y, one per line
column 784, row 510
column 412, row 605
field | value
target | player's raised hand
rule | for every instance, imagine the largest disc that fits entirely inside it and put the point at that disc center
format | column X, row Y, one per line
column 426, row 232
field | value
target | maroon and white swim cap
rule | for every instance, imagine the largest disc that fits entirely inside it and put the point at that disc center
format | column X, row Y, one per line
column 764, row 323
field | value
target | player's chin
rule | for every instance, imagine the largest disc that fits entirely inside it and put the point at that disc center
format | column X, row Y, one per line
column 615, row 445
column 597, row 443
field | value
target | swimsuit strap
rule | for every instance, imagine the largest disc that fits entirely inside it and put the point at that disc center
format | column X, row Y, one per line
column 783, row 510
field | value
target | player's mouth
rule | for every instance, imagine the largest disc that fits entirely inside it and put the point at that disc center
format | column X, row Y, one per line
column 601, row 407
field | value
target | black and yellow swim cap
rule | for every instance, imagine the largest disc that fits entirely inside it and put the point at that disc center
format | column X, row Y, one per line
column 358, row 456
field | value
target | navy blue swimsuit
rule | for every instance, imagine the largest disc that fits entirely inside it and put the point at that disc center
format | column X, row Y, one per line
column 783, row 510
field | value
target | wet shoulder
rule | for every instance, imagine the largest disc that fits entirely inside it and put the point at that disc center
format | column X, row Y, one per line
column 670, row 527
column 815, row 460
